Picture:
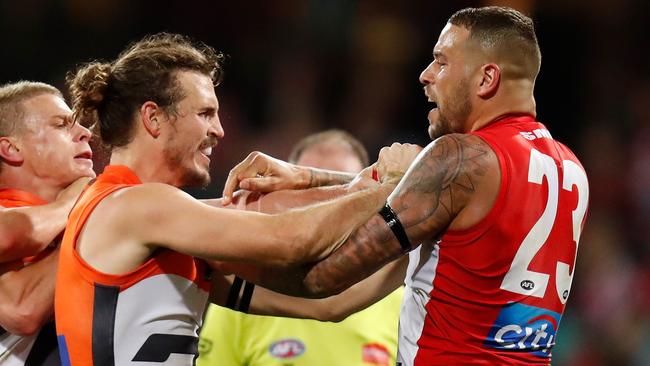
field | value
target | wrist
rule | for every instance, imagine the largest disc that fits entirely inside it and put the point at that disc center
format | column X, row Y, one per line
column 305, row 177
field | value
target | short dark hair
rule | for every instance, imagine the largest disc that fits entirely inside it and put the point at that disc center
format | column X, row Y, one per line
column 326, row 136
column 505, row 32
column 108, row 94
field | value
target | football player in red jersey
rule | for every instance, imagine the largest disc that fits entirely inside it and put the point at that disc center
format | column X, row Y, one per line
column 490, row 212
column 45, row 160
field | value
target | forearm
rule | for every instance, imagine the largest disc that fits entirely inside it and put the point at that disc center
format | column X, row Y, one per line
column 334, row 308
column 26, row 231
column 320, row 229
column 281, row 201
column 27, row 295
column 369, row 248
column 319, row 177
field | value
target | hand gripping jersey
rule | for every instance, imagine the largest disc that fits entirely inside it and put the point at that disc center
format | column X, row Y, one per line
column 149, row 316
column 494, row 294
column 39, row 349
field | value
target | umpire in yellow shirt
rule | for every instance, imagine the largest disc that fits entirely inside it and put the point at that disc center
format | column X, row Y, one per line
column 369, row 337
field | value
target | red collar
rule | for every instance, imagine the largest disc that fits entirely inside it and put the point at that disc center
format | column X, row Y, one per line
column 510, row 118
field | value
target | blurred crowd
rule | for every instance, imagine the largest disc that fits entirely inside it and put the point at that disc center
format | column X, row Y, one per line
column 299, row 66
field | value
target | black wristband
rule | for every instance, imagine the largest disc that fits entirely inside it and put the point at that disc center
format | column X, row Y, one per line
column 245, row 301
column 396, row 227
column 233, row 294
column 234, row 301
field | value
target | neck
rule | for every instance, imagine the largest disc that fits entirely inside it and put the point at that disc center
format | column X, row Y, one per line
column 513, row 97
column 17, row 178
column 148, row 169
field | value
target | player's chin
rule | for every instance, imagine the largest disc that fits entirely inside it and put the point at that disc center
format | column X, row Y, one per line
column 199, row 176
column 88, row 173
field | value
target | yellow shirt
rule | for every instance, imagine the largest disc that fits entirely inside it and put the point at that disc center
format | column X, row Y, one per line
column 231, row 338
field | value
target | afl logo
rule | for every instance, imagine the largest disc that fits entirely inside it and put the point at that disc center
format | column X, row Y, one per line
column 287, row 348
column 527, row 284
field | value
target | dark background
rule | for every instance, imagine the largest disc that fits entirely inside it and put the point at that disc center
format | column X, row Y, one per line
column 297, row 67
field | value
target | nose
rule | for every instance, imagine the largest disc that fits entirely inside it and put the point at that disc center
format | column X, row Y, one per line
column 215, row 128
column 82, row 134
column 426, row 77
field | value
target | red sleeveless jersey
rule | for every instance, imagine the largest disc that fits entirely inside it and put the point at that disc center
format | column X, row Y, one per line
column 151, row 314
column 494, row 294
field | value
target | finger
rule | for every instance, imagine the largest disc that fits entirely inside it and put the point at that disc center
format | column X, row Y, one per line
column 229, row 187
column 261, row 184
column 247, row 168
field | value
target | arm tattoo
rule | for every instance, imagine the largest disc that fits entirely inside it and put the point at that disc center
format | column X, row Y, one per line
column 319, row 177
column 426, row 201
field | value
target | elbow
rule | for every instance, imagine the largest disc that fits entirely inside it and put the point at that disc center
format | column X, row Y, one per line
column 337, row 318
column 332, row 313
column 23, row 322
column 332, row 316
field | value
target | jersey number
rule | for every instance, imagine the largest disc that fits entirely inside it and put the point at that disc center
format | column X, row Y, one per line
column 519, row 278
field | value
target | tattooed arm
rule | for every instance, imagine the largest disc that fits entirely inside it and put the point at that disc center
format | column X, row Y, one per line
column 452, row 184
column 263, row 173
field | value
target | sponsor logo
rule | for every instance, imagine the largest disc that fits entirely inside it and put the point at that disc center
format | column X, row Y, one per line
column 524, row 328
column 527, row 284
column 287, row 348
column 375, row 354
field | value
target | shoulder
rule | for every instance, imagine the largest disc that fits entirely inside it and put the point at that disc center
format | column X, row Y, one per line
column 460, row 144
column 457, row 170
column 141, row 203
column 147, row 194
column 454, row 154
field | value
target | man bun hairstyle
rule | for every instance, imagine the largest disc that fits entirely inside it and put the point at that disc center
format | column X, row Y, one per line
column 506, row 33
column 108, row 95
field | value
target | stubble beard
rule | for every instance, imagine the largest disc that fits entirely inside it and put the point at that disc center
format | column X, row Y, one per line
column 451, row 118
column 190, row 177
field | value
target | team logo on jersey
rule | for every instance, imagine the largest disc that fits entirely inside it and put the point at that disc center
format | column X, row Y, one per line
column 524, row 328
column 375, row 354
column 287, row 348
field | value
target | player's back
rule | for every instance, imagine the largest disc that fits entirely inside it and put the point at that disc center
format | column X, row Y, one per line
column 494, row 293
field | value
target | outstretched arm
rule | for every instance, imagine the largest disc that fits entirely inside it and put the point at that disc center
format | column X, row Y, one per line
column 431, row 197
column 262, row 173
column 26, row 231
column 163, row 216
column 334, row 308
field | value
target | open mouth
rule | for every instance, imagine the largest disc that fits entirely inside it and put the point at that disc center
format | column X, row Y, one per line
column 84, row 155
column 207, row 151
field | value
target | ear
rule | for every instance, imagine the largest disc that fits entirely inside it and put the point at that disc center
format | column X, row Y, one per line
column 490, row 79
column 10, row 152
column 150, row 115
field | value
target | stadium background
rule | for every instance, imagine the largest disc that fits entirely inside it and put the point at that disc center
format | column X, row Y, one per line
column 301, row 66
